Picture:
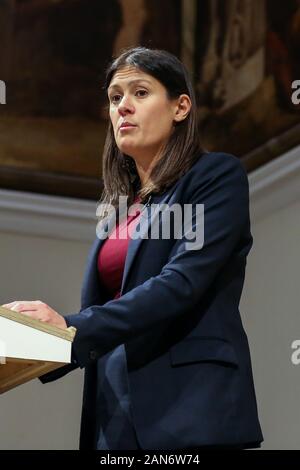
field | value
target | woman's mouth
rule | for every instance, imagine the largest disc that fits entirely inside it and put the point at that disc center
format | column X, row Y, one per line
column 127, row 127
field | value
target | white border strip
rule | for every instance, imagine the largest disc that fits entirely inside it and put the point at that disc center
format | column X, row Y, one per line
column 272, row 187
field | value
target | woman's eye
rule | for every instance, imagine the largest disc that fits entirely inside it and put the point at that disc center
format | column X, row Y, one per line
column 115, row 98
column 142, row 92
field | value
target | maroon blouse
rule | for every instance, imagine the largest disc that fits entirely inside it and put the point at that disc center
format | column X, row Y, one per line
column 112, row 255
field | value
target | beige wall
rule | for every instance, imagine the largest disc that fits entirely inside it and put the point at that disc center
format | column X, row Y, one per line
column 37, row 416
column 271, row 312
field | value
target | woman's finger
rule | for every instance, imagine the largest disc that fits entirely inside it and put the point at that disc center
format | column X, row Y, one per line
column 12, row 304
column 32, row 314
column 22, row 306
column 8, row 305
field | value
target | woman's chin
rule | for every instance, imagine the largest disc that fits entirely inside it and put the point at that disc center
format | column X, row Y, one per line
column 129, row 150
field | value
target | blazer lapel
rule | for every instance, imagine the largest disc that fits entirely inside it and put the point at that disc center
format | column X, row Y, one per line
column 148, row 217
column 91, row 292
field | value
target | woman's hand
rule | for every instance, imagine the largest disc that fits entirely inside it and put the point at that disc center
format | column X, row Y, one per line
column 38, row 310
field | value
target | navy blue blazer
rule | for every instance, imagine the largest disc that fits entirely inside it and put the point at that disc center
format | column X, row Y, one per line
column 189, row 367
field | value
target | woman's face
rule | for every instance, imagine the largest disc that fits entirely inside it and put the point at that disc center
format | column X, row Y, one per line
column 141, row 113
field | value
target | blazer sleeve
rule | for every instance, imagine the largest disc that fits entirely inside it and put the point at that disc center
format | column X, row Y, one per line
column 222, row 186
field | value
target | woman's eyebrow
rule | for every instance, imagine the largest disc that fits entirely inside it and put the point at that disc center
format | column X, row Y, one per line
column 132, row 82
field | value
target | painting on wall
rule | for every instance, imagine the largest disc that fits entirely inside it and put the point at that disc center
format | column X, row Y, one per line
column 247, row 57
column 243, row 57
column 53, row 125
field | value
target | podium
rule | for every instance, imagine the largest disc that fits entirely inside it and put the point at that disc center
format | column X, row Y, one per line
column 30, row 348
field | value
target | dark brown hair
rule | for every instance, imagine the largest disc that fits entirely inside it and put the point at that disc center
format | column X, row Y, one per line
column 183, row 148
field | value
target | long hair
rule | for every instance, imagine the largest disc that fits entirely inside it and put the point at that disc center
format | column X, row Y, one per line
column 183, row 148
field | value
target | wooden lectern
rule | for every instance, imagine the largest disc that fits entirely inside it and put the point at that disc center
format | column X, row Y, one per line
column 30, row 348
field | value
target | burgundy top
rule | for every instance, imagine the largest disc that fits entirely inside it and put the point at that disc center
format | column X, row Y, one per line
column 112, row 255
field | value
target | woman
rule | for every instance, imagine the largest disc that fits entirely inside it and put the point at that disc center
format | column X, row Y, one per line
column 159, row 333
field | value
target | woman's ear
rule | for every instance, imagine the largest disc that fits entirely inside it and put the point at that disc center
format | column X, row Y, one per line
column 182, row 108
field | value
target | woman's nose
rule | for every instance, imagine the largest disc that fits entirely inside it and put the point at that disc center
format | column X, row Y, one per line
column 125, row 106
